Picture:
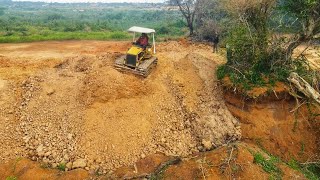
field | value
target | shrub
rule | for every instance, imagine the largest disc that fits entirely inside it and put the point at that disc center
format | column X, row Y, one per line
column 62, row 166
column 118, row 35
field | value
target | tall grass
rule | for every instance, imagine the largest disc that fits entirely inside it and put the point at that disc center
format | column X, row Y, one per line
column 117, row 35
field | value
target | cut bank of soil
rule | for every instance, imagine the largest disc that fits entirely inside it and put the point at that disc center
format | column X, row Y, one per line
column 63, row 102
column 277, row 124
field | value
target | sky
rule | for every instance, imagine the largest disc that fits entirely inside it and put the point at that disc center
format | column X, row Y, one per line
column 93, row 1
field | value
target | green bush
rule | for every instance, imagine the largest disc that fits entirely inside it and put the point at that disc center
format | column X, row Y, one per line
column 269, row 165
column 163, row 30
column 250, row 64
column 119, row 35
column 11, row 178
column 62, row 166
column 311, row 171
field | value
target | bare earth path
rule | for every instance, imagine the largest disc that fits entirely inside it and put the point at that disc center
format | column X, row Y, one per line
column 63, row 102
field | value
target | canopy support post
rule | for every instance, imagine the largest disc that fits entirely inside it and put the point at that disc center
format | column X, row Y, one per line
column 154, row 44
column 134, row 36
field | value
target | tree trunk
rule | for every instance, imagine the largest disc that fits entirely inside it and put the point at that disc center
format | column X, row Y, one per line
column 307, row 35
column 191, row 29
column 291, row 48
column 190, row 26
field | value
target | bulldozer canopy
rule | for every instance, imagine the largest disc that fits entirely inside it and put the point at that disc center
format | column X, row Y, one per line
column 137, row 29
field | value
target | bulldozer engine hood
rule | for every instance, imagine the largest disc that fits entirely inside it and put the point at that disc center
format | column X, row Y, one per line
column 134, row 50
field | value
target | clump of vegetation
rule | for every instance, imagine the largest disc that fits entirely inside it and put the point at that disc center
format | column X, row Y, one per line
column 62, row 166
column 12, row 178
column 258, row 54
column 119, row 35
column 310, row 170
column 268, row 165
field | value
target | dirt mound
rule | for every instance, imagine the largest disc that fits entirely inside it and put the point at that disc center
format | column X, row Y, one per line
column 81, row 112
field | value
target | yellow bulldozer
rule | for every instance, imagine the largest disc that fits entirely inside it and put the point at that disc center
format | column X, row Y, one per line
column 140, row 59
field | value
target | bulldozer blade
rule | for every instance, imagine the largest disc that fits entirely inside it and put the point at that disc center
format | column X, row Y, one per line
column 144, row 68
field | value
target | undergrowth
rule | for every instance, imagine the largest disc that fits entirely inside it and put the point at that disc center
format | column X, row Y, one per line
column 62, row 166
column 11, row 178
column 255, row 60
column 268, row 165
column 309, row 170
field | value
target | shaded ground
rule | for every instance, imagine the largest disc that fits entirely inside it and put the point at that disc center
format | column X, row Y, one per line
column 312, row 53
column 64, row 104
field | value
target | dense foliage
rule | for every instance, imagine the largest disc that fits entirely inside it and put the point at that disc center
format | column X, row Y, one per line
column 25, row 21
column 258, row 51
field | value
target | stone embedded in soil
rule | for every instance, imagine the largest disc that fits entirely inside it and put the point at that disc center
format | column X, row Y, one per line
column 54, row 165
column 50, row 91
column 40, row 148
column 69, row 136
column 207, row 144
column 79, row 163
column 69, row 165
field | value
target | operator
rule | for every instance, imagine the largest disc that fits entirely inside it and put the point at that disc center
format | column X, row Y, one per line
column 143, row 40
column 215, row 42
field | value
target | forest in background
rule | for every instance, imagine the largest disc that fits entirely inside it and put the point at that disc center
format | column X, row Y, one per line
column 36, row 21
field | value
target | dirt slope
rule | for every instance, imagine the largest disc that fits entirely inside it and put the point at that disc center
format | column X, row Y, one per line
column 64, row 103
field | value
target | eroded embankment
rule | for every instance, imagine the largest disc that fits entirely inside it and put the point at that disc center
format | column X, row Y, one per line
column 277, row 123
column 76, row 110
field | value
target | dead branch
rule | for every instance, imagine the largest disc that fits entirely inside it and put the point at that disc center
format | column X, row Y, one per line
column 304, row 87
column 310, row 163
column 158, row 170
column 297, row 107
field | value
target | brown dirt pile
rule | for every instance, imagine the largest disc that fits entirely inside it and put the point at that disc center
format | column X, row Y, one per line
column 72, row 107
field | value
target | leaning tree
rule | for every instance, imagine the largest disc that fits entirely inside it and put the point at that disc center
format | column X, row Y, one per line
column 306, row 15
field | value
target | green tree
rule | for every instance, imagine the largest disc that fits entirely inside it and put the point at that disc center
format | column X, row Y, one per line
column 257, row 53
column 2, row 11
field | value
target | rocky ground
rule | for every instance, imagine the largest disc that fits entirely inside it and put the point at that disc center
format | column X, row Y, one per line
column 63, row 103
